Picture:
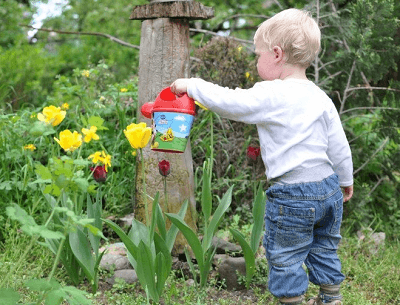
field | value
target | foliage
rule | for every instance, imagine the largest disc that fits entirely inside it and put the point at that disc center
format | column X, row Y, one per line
column 11, row 14
column 250, row 250
column 226, row 62
column 150, row 252
column 204, row 251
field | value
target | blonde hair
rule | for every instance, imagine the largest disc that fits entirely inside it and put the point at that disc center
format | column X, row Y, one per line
column 296, row 32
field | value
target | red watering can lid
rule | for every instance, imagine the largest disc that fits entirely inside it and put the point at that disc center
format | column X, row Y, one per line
column 167, row 101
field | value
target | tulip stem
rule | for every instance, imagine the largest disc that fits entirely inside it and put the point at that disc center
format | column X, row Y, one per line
column 165, row 194
column 144, row 189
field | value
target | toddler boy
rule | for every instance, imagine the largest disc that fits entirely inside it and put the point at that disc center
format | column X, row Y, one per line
column 305, row 152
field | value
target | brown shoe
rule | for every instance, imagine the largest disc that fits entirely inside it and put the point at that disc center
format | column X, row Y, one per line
column 318, row 301
column 292, row 301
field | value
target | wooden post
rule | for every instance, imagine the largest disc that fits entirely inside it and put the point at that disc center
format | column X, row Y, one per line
column 164, row 57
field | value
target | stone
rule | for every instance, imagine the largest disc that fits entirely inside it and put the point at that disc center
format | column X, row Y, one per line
column 115, row 262
column 128, row 275
column 117, row 249
column 227, row 271
column 373, row 241
column 224, row 246
column 218, row 259
column 115, row 257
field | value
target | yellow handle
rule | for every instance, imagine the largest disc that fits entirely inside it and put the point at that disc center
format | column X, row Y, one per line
column 200, row 105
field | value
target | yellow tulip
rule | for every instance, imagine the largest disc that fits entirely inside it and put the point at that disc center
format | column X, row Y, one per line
column 101, row 157
column 90, row 134
column 65, row 106
column 106, row 160
column 69, row 141
column 85, row 73
column 30, row 147
column 138, row 135
column 52, row 115
column 96, row 157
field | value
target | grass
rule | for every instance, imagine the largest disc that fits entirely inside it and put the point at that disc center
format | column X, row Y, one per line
column 370, row 278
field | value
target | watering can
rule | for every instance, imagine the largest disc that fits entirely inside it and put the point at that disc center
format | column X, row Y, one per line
column 172, row 118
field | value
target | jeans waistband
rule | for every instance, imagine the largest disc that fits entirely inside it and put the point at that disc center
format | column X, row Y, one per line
column 312, row 174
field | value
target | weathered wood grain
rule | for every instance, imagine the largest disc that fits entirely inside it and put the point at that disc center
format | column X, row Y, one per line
column 172, row 9
column 164, row 57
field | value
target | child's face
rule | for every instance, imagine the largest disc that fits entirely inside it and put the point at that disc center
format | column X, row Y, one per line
column 269, row 63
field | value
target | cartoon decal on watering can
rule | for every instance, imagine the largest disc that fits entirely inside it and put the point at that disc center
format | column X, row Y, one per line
column 172, row 120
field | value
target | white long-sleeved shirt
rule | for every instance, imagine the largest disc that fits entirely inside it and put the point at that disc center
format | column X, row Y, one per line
column 298, row 125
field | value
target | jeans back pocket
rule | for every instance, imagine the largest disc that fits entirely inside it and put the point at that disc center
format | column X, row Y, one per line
column 294, row 225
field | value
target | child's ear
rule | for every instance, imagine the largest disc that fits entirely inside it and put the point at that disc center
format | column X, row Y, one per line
column 278, row 53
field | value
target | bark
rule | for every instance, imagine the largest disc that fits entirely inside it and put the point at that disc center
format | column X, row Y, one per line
column 164, row 57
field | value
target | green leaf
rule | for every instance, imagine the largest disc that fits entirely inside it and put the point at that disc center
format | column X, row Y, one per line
column 81, row 248
column 44, row 232
column 94, row 211
column 6, row 185
column 173, row 230
column 98, row 122
column 154, row 216
column 130, row 246
column 147, row 269
column 190, row 236
column 218, row 214
column 15, row 212
column 206, row 197
column 208, row 257
column 82, row 162
column 95, row 231
column 43, row 172
column 258, row 216
column 191, row 266
column 161, row 272
column 82, row 183
column 38, row 128
column 75, row 296
column 84, row 122
column 162, row 247
column 42, row 284
column 8, row 296
column 161, row 223
column 248, row 253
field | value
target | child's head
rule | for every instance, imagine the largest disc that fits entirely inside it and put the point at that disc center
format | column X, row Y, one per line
column 295, row 32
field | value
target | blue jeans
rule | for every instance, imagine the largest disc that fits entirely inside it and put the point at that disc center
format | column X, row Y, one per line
column 302, row 225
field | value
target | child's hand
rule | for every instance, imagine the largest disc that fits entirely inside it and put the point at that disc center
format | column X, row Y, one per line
column 179, row 86
column 347, row 193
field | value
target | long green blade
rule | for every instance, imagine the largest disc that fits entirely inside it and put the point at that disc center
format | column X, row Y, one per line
column 147, row 269
column 219, row 213
column 161, row 226
column 249, row 257
column 130, row 246
column 206, row 197
column 190, row 236
column 173, row 230
column 80, row 246
column 153, row 216
column 258, row 216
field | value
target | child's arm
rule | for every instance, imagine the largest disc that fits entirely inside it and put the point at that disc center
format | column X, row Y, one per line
column 243, row 105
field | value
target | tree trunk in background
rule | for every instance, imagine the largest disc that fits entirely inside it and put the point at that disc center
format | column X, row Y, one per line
column 164, row 57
